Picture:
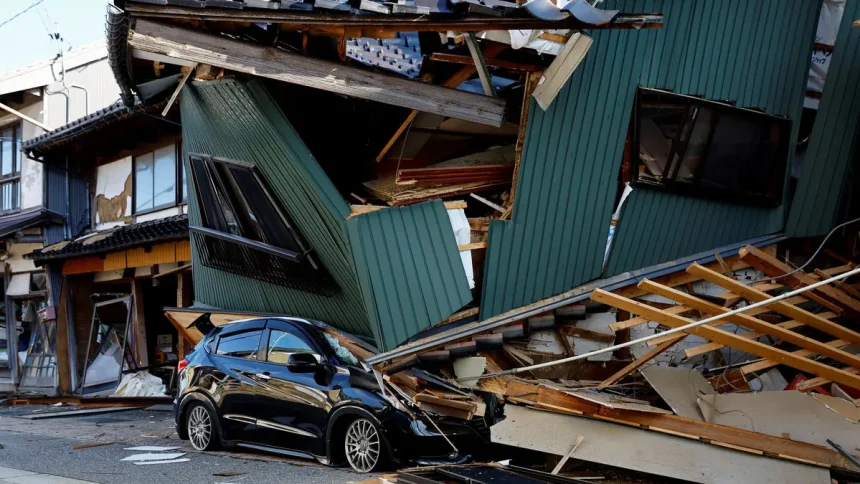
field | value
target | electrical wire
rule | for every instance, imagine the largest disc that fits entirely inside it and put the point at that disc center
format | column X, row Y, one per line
column 820, row 246
column 22, row 12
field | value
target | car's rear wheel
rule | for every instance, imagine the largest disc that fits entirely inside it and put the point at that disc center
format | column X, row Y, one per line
column 363, row 445
column 201, row 427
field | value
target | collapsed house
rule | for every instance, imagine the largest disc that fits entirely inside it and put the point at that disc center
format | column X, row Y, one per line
column 453, row 181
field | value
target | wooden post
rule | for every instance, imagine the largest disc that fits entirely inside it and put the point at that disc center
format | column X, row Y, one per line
column 64, row 373
column 182, row 300
column 139, row 321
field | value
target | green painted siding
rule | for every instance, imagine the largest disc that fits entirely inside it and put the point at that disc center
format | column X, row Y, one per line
column 755, row 52
column 833, row 142
column 240, row 121
column 418, row 236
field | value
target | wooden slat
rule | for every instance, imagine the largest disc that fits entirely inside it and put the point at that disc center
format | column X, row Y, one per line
column 792, row 324
column 782, row 307
column 639, row 362
column 752, row 323
column 773, row 267
column 728, row 339
column 195, row 46
column 463, row 59
column 818, row 381
column 768, row 364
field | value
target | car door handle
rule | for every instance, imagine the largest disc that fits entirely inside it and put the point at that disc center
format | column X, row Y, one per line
column 264, row 376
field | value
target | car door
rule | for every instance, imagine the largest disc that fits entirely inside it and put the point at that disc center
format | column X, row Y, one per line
column 237, row 384
column 295, row 404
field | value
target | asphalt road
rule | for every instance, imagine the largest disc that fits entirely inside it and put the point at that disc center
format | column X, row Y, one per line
column 46, row 446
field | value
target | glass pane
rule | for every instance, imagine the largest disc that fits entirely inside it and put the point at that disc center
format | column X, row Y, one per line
column 8, row 141
column 283, row 344
column 184, row 184
column 243, row 345
column 9, row 196
column 165, row 176
column 143, row 166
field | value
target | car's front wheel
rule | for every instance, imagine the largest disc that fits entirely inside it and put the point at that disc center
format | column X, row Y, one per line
column 202, row 428
column 363, row 445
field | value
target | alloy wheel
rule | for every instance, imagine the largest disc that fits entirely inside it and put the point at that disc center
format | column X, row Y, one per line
column 199, row 427
column 362, row 445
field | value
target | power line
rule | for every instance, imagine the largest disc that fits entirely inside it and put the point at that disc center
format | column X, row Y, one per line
column 22, row 12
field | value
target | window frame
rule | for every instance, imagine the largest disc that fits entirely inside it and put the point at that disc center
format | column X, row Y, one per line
column 669, row 182
column 295, row 331
column 15, row 176
column 259, row 353
column 179, row 181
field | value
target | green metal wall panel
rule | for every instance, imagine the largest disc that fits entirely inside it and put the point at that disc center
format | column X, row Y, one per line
column 833, row 142
column 418, row 236
column 240, row 121
column 755, row 52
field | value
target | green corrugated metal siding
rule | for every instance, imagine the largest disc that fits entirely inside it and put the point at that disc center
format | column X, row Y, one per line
column 418, row 236
column 240, row 121
column 755, row 52
column 833, row 142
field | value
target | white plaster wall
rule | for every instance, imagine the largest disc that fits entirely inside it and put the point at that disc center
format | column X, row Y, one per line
column 32, row 175
column 111, row 181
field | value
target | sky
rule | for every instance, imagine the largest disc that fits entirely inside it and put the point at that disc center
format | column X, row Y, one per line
column 25, row 39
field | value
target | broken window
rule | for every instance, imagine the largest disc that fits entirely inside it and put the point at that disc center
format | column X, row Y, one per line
column 10, row 168
column 245, row 231
column 705, row 148
column 156, row 177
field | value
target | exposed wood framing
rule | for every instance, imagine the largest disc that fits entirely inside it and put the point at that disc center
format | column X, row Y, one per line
column 182, row 81
column 362, row 209
column 273, row 63
column 459, row 77
column 531, row 83
column 728, row 339
column 472, row 246
column 501, row 64
column 483, row 72
column 139, row 323
column 24, row 117
column 639, row 363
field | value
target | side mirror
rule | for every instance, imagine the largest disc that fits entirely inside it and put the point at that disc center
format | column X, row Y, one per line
column 302, row 363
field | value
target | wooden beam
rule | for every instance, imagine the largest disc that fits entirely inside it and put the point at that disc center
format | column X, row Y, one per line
column 774, row 267
column 766, row 364
column 191, row 45
column 818, row 381
column 752, row 323
column 452, row 82
column 64, row 373
column 782, row 307
column 188, row 71
column 728, row 339
column 481, row 67
column 472, row 246
column 792, row 324
column 640, row 362
column 24, row 117
column 139, row 322
column 841, row 287
column 531, row 83
column 564, row 459
column 501, row 64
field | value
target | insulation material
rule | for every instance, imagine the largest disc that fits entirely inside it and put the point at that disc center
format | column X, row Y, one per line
column 141, row 384
column 342, row 353
column 525, row 39
column 113, row 193
column 463, row 235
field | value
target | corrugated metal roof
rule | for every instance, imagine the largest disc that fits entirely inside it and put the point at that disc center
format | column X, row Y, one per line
column 418, row 237
column 833, row 142
column 754, row 52
column 241, row 121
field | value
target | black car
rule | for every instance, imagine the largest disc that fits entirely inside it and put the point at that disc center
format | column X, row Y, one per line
column 284, row 385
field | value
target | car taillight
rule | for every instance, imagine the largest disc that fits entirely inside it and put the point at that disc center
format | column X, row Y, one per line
column 181, row 365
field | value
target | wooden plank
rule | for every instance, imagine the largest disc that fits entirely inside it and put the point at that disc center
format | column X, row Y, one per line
column 363, row 209
column 588, row 334
column 24, row 117
column 792, row 324
column 562, row 339
column 452, row 82
column 818, row 381
column 531, row 83
column 481, row 67
column 329, row 76
column 752, row 323
column 763, row 444
column 564, row 459
column 472, row 246
column 182, row 81
column 728, row 339
column 782, row 307
column 139, row 323
column 561, row 69
column 767, row 364
column 501, row 64
column 640, row 362
column 64, row 373
column 850, row 291
column 774, row 267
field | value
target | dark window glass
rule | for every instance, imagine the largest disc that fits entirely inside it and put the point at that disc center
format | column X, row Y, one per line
column 242, row 345
column 282, row 344
column 704, row 148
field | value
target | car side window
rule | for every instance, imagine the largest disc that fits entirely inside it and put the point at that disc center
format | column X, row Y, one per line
column 282, row 344
column 241, row 345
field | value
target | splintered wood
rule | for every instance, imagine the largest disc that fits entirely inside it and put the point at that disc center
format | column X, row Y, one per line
column 782, row 321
